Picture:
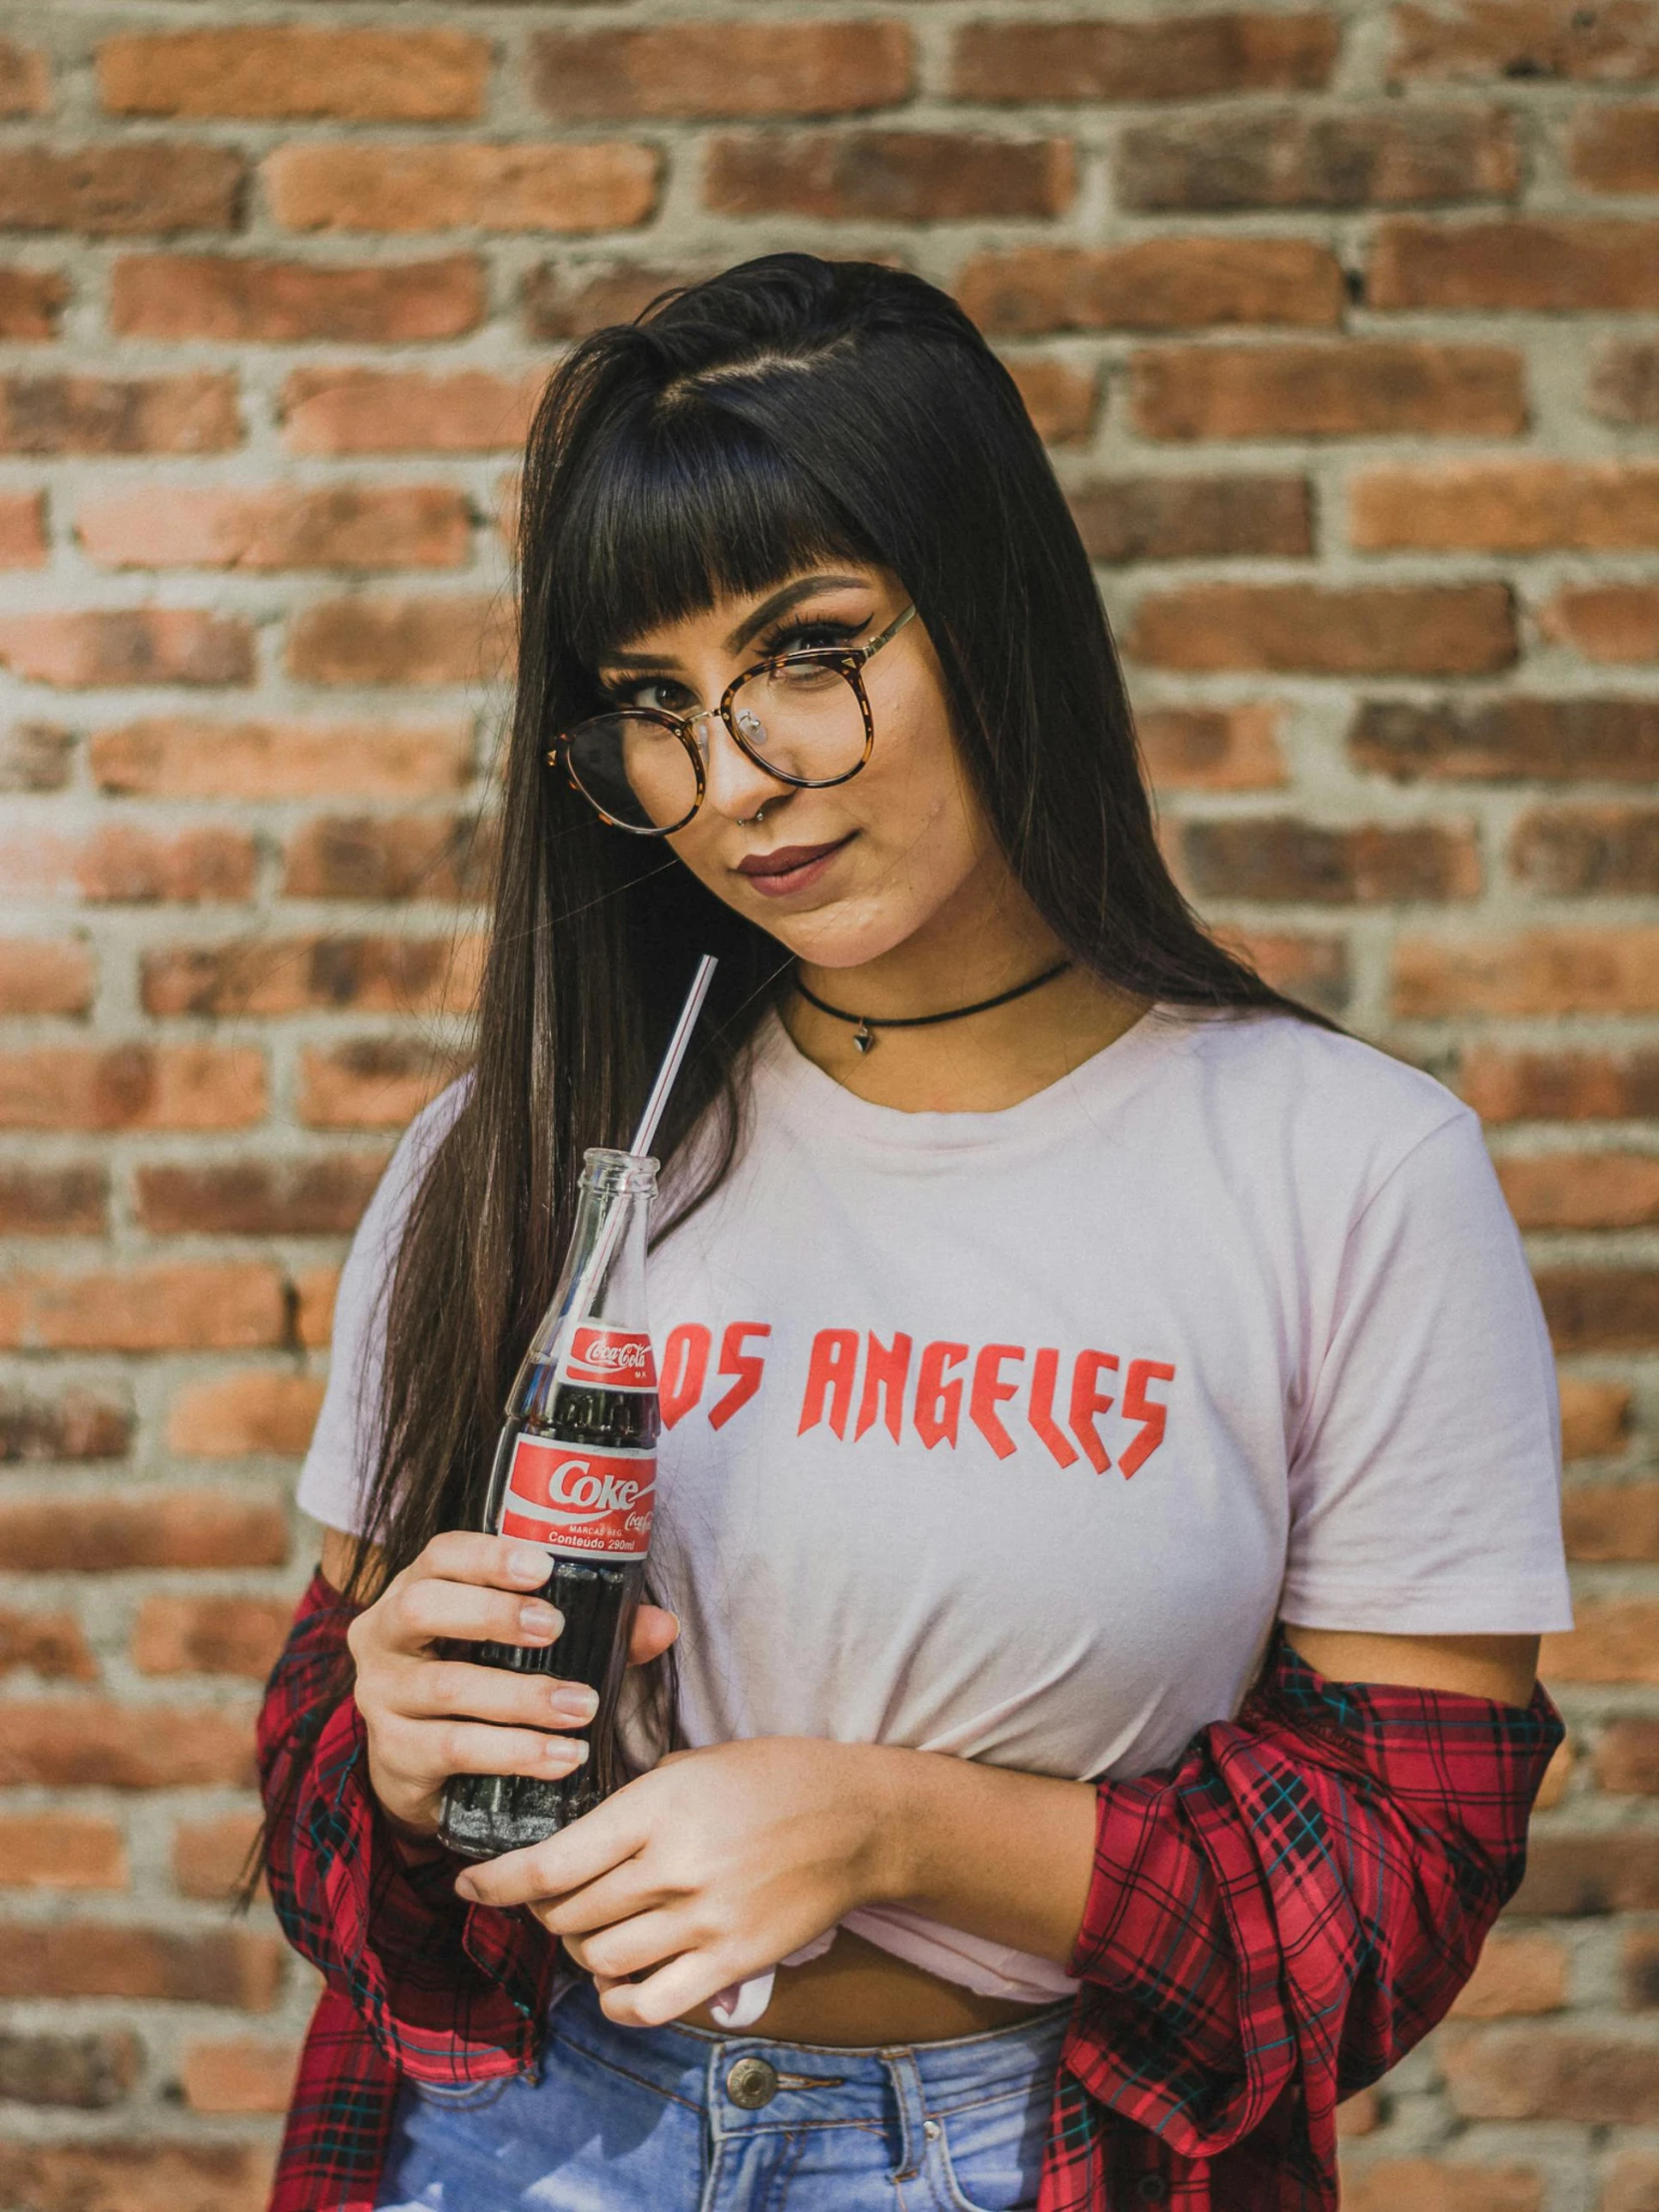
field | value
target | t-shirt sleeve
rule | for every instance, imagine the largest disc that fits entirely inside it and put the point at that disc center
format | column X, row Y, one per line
column 344, row 1446
column 1426, row 1478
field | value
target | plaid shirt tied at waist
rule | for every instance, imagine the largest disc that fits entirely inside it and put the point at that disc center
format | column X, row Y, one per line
column 1272, row 1923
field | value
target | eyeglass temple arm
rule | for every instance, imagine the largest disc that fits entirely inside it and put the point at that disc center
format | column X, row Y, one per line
column 868, row 652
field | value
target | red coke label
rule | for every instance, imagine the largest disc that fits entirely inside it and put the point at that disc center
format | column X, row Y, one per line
column 580, row 1500
column 621, row 1359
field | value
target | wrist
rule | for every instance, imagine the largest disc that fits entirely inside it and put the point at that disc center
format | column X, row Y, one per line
column 898, row 1809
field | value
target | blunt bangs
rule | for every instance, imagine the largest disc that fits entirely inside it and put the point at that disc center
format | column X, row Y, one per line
column 675, row 507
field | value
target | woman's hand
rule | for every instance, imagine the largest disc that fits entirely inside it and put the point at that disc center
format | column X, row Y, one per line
column 428, row 1717
column 710, row 1867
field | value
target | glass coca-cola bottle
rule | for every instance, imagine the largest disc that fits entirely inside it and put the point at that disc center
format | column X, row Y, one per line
column 575, row 1470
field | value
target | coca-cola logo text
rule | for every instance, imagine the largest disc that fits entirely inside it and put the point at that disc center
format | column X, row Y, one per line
column 581, row 1500
column 620, row 1356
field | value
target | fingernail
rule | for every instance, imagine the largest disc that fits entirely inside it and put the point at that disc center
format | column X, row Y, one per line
column 466, row 1888
column 565, row 1752
column 529, row 1563
column 573, row 1701
column 543, row 1622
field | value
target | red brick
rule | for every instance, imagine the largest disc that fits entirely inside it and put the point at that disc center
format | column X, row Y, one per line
column 34, row 757
column 465, row 639
column 125, row 863
column 77, row 1424
column 119, row 414
column 281, row 71
column 87, row 2072
column 142, row 1529
column 1153, row 285
column 280, row 526
column 178, row 757
column 1526, row 39
column 1601, row 1309
column 1359, row 2114
column 1365, row 630
column 1583, row 1189
column 243, row 2074
column 1182, row 519
column 189, row 1307
column 316, row 1290
column 1606, row 622
column 1059, row 398
column 257, row 1411
column 47, row 1644
column 1529, row 2074
column 1611, row 1522
column 1639, row 1969
column 118, row 190
column 1580, row 1876
column 1365, row 387
column 118, row 2175
column 1616, row 149
column 1633, row 2183
column 1509, row 507
column 436, row 187
column 1428, row 2185
column 61, row 1851
column 45, row 975
column 370, row 1082
column 212, row 1858
column 1511, row 738
column 1535, row 972
column 1212, row 748
column 1627, row 1758
column 274, row 975
column 131, row 1086
column 1159, row 58
column 67, row 1743
column 234, row 1634
column 130, row 645
column 29, row 303
column 680, row 71
column 888, row 176
column 1624, row 383
column 259, row 1198
column 365, row 410
column 25, row 81
column 106, row 1959
column 1537, row 266
column 560, row 302
column 1568, row 852
column 1595, row 1416
column 391, row 857
column 1309, row 967
column 1292, row 158
column 53, row 1201
column 272, row 303
column 1282, row 857
column 1515, row 1974
column 23, row 529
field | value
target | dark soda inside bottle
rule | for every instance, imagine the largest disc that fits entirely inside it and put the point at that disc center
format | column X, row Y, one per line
column 575, row 1469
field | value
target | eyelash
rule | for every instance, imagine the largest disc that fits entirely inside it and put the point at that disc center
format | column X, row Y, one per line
column 792, row 636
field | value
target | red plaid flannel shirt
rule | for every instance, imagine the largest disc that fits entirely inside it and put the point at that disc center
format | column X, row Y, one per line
column 1273, row 1922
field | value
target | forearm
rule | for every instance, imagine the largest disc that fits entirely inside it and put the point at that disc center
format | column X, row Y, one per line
column 987, row 1849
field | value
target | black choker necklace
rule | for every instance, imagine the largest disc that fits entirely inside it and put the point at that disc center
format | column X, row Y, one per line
column 865, row 1025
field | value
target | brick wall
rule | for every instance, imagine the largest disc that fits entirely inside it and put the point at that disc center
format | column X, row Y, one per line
column 1342, row 323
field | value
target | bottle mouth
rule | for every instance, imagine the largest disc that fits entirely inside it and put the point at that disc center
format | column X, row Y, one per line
column 607, row 1168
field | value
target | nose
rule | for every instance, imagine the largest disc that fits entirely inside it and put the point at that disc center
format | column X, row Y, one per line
column 736, row 788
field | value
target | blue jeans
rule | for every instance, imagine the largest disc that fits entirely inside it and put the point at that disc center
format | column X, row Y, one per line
column 672, row 2120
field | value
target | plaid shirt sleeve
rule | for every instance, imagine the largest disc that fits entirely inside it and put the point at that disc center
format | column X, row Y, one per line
column 417, row 1983
column 1272, row 1923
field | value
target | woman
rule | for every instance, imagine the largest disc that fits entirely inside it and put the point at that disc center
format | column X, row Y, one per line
column 1109, row 1500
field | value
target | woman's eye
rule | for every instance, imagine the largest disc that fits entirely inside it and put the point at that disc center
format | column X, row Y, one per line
column 802, row 637
column 656, row 692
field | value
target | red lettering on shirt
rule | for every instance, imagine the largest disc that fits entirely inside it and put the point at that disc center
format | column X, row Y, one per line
column 748, row 1367
column 990, row 1391
column 1138, row 1406
column 833, row 1364
column 886, row 1369
column 1045, row 1370
column 684, row 1370
column 1086, row 1402
column 939, row 1401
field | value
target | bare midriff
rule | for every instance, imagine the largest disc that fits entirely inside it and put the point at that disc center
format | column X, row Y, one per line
column 857, row 1995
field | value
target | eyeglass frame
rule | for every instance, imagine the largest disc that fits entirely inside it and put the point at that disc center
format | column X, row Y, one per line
column 847, row 661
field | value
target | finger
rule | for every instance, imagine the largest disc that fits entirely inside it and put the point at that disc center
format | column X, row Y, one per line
column 423, row 1611
column 462, row 1555
column 444, row 1689
column 654, row 1631
column 621, row 1895
column 629, row 1947
column 428, row 1753
column 577, row 1855
column 668, row 1995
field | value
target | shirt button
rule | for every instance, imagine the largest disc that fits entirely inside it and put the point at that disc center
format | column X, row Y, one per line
column 752, row 2082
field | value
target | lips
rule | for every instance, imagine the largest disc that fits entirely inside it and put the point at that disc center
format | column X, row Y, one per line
column 776, row 869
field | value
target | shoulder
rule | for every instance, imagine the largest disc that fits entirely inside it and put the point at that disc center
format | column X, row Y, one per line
column 381, row 1228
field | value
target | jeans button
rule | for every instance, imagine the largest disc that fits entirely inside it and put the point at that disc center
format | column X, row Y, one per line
column 752, row 2082
column 1150, row 2189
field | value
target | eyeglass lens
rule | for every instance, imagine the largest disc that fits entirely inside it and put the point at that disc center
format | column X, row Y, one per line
column 797, row 716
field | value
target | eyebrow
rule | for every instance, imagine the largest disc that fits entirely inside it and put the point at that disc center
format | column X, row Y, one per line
column 767, row 611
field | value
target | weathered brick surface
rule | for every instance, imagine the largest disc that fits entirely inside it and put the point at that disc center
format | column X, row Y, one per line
column 1339, row 323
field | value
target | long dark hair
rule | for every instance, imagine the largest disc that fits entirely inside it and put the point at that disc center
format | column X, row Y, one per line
column 791, row 409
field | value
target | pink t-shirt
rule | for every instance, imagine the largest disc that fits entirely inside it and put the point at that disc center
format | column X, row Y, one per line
column 1011, row 1434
